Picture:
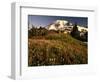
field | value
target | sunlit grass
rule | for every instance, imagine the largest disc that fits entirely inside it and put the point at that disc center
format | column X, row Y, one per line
column 56, row 49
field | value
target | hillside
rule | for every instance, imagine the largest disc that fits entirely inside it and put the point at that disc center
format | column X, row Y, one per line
column 56, row 49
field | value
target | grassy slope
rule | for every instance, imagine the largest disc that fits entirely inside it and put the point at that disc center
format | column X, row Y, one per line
column 56, row 49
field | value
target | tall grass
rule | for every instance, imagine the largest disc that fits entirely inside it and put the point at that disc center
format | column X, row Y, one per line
column 56, row 49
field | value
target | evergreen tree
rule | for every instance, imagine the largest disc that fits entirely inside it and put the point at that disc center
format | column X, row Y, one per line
column 75, row 30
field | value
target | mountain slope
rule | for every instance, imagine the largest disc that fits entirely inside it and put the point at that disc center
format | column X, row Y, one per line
column 62, row 25
column 56, row 49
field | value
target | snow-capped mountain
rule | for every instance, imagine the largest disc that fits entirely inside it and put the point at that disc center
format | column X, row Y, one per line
column 63, row 25
column 81, row 27
column 59, row 25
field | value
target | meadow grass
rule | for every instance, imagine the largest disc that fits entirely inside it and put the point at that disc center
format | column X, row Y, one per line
column 56, row 49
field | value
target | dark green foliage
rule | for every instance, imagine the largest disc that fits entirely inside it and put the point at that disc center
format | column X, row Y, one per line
column 76, row 34
column 37, row 32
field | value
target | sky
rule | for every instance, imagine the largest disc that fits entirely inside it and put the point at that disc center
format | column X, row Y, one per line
column 40, row 20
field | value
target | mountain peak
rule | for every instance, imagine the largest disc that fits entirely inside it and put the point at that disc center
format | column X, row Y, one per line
column 59, row 25
column 62, row 25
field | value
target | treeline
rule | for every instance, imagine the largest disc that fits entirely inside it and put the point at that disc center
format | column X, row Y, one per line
column 37, row 32
column 41, row 31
